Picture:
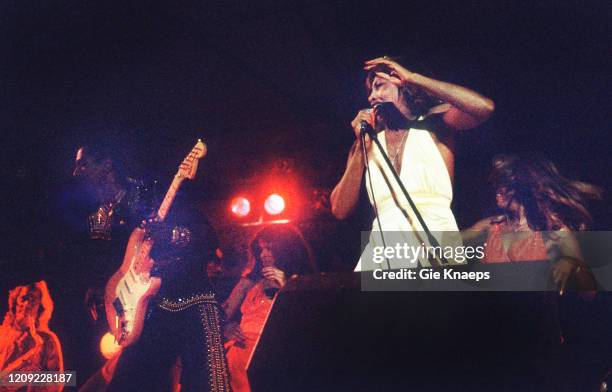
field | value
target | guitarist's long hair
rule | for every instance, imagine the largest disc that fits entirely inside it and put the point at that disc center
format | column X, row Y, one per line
column 292, row 253
column 551, row 201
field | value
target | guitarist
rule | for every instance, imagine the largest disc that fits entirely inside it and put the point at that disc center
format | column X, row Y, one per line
column 183, row 320
column 101, row 211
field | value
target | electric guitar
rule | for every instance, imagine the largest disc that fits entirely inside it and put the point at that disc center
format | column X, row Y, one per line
column 129, row 290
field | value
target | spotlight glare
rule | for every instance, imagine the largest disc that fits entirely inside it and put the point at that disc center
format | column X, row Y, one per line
column 240, row 206
column 274, row 204
column 108, row 346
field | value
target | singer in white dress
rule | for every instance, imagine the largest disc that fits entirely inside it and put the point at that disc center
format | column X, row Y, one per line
column 417, row 135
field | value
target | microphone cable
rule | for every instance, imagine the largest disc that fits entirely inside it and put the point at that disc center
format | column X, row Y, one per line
column 369, row 176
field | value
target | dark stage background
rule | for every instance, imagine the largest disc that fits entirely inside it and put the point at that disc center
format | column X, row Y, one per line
column 267, row 81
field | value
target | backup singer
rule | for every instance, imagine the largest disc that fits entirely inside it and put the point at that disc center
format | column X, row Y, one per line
column 277, row 253
column 540, row 208
column 418, row 136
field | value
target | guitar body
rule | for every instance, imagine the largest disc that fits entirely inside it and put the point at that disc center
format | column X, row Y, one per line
column 129, row 290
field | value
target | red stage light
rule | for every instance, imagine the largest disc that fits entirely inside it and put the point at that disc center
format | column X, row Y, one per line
column 240, row 206
column 274, row 204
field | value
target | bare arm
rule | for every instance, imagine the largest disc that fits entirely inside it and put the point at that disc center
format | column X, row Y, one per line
column 233, row 302
column 468, row 109
column 345, row 195
column 477, row 230
column 563, row 247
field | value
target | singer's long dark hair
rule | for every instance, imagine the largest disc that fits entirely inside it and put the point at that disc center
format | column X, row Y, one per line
column 292, row 253
column 551, row 201
column 419, row 101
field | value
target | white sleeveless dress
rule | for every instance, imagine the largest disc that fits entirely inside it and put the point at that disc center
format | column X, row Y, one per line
column 426, row 178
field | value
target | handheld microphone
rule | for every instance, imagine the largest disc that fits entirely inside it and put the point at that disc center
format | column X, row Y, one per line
column 365, row 126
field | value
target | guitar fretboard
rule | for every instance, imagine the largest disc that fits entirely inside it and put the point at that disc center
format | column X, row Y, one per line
column 189, row 166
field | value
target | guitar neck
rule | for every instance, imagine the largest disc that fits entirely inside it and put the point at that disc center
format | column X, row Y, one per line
column 162, row 212
column 187, row 169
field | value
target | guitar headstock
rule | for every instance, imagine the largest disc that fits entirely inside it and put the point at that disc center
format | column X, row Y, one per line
column 189, row 166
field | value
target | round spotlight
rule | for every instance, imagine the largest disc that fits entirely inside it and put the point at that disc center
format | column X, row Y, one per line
column 240, row 206
column 274, row 204
column 108, row 346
